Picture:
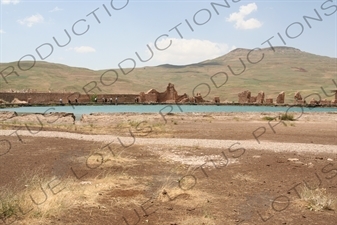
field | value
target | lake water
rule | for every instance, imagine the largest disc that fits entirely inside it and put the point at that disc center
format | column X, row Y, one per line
column 79, row 110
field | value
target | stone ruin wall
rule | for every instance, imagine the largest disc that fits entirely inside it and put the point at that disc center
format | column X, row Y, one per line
column 245, row 97
column 280, row 98
column 52, row 98
column 170, row 95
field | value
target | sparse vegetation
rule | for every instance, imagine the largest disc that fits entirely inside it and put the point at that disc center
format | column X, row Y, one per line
column 163, row 179
column 8, row 206
column 92, row 99
column 287, row 117
column 318, row 199
column 41, row 197
column 33, row 198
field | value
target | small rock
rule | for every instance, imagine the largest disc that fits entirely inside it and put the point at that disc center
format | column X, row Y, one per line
column 310, row 165
column 85, row 182
column 329, row 159
column 293, row 159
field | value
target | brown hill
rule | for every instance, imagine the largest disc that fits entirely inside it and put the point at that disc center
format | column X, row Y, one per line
column 282, row 69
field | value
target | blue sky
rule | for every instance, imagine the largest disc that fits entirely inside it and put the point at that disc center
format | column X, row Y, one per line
column 132, row 25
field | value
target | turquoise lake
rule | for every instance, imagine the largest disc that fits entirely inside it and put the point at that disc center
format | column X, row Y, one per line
column 79, row 110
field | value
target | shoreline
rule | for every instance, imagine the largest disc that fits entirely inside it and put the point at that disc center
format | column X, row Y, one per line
column 17, row 105
column 96, row 117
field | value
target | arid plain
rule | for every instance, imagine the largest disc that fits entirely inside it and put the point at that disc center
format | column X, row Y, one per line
column 182, row 168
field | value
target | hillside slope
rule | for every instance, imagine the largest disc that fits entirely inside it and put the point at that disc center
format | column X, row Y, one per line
column 285, row 69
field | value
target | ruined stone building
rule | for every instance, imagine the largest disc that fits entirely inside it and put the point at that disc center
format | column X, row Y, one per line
column 260, row 97
column 170, row 95
column 216, row 99
column 280, row 98
column 246, row 97
column 197, row 99
column 298, row 98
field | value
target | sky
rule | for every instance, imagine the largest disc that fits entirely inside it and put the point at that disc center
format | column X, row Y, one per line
column 128, row 33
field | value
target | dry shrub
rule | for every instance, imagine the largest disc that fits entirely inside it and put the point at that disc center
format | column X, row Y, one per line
column 35, row 196
column 318, row 199
column 287, row 117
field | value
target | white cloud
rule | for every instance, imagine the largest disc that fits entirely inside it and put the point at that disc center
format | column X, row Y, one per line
column 55, row 9
column 6, row 2
column 82, row 49
column 2, row 31
column 186, row 51
column 30, row 21
column 239, row 18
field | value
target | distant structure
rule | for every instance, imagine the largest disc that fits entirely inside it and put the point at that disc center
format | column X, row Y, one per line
column 260, row 97
column 197, row 99
column 246, row 97
column 325, row 102
column 280, row 98
column 335, row 100
column 170, row 95
column 298, row 98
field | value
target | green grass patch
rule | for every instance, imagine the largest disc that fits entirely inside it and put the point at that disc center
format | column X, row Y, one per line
column 286, row 116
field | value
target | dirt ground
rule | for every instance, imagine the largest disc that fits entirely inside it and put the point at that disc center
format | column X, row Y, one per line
column 51, row 180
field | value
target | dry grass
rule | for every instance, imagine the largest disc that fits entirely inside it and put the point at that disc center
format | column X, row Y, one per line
column 192, row 199
column 35, row 196
column 244, row 177
column 169, row 190
column 318, row 199
column 8, row 203
column 142, row 128
column 138, row 128
column 269, row 118
column 38, row 196
column 287, row 117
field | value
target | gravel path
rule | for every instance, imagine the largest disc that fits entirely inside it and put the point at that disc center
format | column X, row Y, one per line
column 204, row 143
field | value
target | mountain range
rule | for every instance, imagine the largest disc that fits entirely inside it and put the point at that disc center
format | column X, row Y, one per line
column 271, row 70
